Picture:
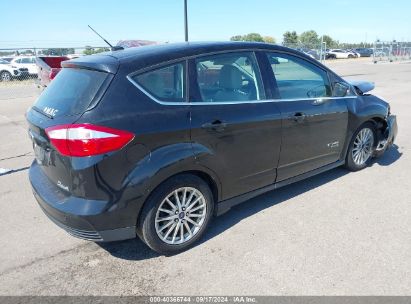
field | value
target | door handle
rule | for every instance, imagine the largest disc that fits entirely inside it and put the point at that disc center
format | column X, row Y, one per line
column 216, row 125
column 298, row 117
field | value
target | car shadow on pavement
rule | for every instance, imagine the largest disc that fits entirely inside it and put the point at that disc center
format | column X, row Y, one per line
column 135, row 249
column 389, row 157
column 269, row 199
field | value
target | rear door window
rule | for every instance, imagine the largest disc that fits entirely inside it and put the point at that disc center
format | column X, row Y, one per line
column 165, row 84
column 71, row 92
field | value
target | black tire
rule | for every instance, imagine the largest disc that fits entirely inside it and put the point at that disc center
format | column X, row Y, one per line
column 350, row 164
column 5, row 76
column 146, row 224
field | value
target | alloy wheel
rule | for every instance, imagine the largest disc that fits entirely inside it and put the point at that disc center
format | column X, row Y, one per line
column 363, row 146
column 180, row 215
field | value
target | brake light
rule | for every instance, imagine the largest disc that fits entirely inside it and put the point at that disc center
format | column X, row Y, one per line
column 82, row 140
column 53, row 73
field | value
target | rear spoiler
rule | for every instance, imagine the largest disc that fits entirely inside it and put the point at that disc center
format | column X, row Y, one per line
column 101, row 63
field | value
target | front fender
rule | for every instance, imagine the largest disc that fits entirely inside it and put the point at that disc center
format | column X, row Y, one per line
column 365, row 108
column 360, row 110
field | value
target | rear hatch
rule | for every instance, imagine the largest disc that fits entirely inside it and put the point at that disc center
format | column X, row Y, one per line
column 73, row 91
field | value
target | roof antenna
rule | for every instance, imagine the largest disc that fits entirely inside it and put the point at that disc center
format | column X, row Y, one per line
column 112, row 48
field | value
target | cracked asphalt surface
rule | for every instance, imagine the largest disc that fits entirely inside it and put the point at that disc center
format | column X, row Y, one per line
column 338, row 233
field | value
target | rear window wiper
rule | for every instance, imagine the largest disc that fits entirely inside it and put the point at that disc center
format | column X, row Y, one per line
column 41, row 112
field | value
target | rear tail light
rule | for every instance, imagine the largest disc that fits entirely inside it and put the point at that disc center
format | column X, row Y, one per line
column 82, row 140
column 53, row 73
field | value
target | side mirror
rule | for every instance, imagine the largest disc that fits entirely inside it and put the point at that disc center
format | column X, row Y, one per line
column 274, row 60
column 341, row 89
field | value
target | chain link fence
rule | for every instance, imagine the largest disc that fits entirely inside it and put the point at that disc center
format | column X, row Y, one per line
column 316, row 51
column 21, row 73
column 390, row 51
column 381, row 51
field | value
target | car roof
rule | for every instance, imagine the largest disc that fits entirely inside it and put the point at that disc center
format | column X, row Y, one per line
column 186, row 49
column 142, row 57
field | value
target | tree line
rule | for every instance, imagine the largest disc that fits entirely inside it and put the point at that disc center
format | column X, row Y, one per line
column 308, row 39
column 253, row 37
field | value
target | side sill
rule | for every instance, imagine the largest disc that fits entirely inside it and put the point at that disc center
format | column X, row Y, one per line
column 226, row 205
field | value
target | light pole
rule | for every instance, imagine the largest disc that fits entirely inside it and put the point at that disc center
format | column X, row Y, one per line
column 185, row 21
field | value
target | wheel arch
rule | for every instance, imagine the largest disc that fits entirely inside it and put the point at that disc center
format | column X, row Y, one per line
column 208, row 178
column 380, row 125
column 1, row 71
column 211, row 182
column 377, row 121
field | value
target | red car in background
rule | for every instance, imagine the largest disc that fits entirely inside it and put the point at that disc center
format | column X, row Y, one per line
column 48, row 68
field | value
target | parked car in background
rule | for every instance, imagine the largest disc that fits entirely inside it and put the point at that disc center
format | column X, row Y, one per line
column 342, row 54
column 9, row 72
column 28, row 62
column 364, row 52
column 311, row 53
column 48, row 67
column 328, row 55
column 8, row 59
column 154, row 141
column 357, row 55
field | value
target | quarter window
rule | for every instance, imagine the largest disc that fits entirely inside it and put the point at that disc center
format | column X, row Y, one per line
column 228, row 77
column 165, row 84
column 297, row 78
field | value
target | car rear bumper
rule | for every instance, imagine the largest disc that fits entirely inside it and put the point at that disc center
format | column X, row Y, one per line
column 79, row 217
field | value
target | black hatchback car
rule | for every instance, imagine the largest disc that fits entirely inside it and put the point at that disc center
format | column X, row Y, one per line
column 154, row 141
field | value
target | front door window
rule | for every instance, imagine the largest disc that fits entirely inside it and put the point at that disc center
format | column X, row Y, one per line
column 298, row 79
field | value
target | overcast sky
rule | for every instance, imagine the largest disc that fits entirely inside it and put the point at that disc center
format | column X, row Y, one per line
column 48, row 23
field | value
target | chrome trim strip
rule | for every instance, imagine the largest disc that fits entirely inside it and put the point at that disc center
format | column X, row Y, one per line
column 200, row 103
column 165, row 103
column 206, row 54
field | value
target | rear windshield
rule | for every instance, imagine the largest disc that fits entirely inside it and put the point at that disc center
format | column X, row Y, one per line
column 71, row 92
